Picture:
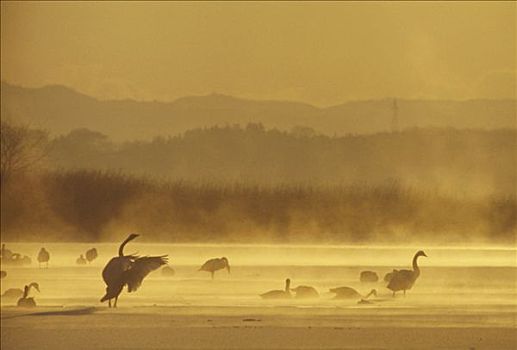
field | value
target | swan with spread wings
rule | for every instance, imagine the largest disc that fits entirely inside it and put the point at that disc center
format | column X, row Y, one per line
column 128, row 270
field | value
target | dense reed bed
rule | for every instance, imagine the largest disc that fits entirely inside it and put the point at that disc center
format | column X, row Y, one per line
column 90, row 205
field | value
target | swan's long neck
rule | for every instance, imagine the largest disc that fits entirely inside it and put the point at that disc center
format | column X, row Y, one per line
column 121, row 248
column 416, row 269
column 26, row 291
column 369, row 294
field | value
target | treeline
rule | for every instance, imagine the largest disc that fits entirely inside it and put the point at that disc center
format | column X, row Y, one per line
column 454, row 161
column 235, row 184
column 92, row 205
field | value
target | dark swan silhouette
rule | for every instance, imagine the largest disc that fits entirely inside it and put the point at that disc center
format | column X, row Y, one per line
column 91, row 254
column 279, row 294
column 5, row 253
column 404, row 279
column 305, row 292
column 214, row 265
column 81, row 260
column 128, row 270
column 350, row 293
column 43, row 257
column 15, row 293
column 368, row 276
column 25, row 301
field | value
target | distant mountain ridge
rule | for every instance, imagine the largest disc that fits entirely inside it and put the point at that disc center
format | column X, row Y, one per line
column 60, row 109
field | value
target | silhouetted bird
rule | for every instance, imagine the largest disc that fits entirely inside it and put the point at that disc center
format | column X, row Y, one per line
column 368, row 276
column 214, row 265
column 128, row 270
column 6, row 253
column 91, row 254
column 404, row 279
column 81, row 260
column 279, row 294
column 7, row 257
column 25, row 301
column 305, row 292
column 18, row 260
column 350, row 293
column 43, row 257
column 15, row 293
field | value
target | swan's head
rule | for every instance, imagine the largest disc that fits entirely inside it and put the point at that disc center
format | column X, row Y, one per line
column 226, row 263
column 35, row 286
column 133, row 236
column 421, row 253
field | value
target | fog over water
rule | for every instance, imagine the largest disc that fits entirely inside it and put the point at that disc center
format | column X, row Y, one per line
column 459, row 279
column 268, row 149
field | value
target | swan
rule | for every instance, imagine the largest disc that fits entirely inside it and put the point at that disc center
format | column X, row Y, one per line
column 25, row 301
column 17, row 259
column 91, row 254
column 368, row 276
column 305, row 292
column 3, row 274
column 128, row 270
column 81, row 260
column 404, row 279
column 15, row 293
column 43, row 257
column 350, row 293
column 214, row 265
column 279, row 294
column 6, row 253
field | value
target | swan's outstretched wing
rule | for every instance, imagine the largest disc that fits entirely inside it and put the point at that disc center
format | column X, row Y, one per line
column 140, row 268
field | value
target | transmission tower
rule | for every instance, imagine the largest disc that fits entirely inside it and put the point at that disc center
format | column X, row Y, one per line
column 395, row 116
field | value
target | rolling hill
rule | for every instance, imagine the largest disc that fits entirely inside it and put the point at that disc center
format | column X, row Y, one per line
column 59, row 110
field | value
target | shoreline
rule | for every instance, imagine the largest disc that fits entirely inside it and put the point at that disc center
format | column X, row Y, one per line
column 163, row 328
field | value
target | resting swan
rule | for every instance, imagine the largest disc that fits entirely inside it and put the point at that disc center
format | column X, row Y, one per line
column 15, row 293
column 25, row 301
column 279, row 294
column 350, row 293
column 305, row 292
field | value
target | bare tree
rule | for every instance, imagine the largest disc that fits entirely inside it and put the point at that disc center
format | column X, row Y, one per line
column 20, row 148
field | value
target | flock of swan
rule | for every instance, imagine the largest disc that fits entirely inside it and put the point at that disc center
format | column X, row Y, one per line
column 130, row 270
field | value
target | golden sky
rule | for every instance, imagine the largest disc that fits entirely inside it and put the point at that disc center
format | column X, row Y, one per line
column 321, row 53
